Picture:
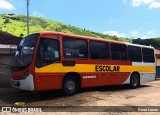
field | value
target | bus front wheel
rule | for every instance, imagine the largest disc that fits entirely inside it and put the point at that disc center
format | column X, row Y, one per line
column 70, row 86
column 134, row 81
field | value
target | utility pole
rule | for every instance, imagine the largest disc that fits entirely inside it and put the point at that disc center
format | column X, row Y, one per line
column 28, row 17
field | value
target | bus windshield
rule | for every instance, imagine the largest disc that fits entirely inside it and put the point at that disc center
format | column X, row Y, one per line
column 25, row 51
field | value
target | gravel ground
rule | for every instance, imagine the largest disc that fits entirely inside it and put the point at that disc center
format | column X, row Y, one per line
column 147, row 95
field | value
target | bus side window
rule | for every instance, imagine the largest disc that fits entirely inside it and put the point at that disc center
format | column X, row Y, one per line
column 148, row 55
column 99, row 50
column 118, row 51
column 134, row 53
column 48, row 52
column 75, row 48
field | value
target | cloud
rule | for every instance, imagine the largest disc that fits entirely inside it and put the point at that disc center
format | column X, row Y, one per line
column 150, row 32
column 4, row 4
column 36, row 13
column 151, row 3
column 114, row 33
column 148, row 1
column 154, row 5
column 136, row 3
column 147, row 35
column 135, row 33
column 144, row 37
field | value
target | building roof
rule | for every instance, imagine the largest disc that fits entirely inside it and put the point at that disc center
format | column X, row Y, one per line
column 8, row 43
column 6, row 38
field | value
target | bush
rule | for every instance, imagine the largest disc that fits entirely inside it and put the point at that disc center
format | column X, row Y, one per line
column 6, row 21
column 21, row 35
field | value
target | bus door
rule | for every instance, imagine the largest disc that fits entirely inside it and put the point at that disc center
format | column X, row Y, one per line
column 48, row 55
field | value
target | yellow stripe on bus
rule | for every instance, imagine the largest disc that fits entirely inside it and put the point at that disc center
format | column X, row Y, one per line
column 54, row 68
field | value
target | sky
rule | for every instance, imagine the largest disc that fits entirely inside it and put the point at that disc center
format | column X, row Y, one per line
column 123, row 18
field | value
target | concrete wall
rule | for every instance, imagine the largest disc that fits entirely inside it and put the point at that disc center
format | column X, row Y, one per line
column 5, row 73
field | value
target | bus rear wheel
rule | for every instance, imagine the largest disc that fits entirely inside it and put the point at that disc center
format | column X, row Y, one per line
column 134, row 81
column 70, row 86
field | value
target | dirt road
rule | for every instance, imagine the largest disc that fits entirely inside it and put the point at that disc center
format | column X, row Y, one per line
column 147, row 95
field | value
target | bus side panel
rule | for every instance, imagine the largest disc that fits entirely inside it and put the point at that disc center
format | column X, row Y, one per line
column 146, row 71
column 149, row 73
column 45, row 81
column 90, row 77
column 102, row 79
column 146, row 77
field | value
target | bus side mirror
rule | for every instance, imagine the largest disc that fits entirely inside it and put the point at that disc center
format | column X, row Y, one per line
column 20, row 45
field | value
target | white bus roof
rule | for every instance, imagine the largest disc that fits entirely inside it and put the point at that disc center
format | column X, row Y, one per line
column 139, row 45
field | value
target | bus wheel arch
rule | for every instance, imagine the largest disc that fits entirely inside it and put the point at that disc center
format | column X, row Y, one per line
column 135, row 80
column 71, row 83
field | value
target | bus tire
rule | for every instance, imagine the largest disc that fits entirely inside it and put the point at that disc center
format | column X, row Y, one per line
column 70, row 85
column 134, row 81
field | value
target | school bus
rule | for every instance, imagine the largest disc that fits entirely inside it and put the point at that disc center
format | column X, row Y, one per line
column 55, row 60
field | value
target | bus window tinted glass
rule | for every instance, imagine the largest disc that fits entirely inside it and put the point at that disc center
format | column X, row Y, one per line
column 99, row 50
column 134, row 54
column 118, row 51
column 75, row 48
column 48, row 52
column 148, row 55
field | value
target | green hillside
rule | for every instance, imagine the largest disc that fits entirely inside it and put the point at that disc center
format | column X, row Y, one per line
column 155, row 42
column 16, row 25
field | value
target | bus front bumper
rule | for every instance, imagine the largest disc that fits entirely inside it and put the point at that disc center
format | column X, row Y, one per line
column 24, row 84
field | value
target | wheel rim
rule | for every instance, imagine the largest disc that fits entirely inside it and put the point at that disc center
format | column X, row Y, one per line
column 134, row 81
column 70, row 86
